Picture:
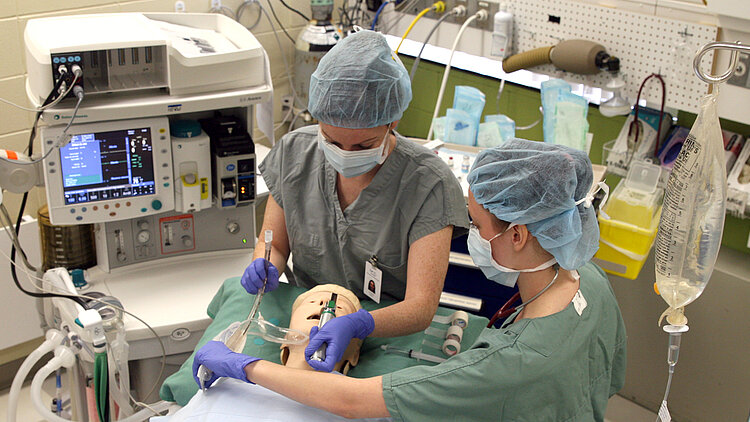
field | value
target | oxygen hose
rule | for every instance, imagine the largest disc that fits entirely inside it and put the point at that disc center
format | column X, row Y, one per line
column 54, row 338
column 481, row 15
column 438, row 7
column 454, row 12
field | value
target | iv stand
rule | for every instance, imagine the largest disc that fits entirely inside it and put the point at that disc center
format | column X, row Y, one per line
column 708, row 78
column 675, row 331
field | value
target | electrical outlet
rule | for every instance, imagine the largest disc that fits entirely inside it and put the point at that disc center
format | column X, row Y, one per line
column 490, row 7
column 179, row 6
column 215, row 4
column 286, row 102
column 740, row 77
column 471, row 6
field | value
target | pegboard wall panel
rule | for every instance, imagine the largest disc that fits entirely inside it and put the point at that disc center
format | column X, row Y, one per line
column 644, row 44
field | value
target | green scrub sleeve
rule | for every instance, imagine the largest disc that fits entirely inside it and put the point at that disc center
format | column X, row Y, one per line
column 443, row 206
column 457, row 389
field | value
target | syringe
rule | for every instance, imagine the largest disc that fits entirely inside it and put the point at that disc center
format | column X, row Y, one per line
column 326, row 314
column 411, row 353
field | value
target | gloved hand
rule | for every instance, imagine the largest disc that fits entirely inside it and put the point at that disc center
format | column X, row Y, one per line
column 252, row 279
column 338, row 332
column 223, row 362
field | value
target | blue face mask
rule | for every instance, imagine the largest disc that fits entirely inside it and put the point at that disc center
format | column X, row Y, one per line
column 352, row 163
column 480, row 250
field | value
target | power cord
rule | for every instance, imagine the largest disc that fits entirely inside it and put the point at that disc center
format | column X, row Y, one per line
column 270, row 5
column 22, row 207
column 295, row 11
column 241, row 8
column 61, row 140
column 59, row 86
column 224, row 11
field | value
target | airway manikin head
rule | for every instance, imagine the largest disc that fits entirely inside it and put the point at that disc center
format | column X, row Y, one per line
column 353, row 163
column 480, row 250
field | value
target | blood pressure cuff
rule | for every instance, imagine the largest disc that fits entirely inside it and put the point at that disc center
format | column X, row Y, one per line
column 232, row 303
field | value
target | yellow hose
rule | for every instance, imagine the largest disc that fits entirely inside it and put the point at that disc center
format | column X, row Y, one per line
column 439, row 7
column 531, row 58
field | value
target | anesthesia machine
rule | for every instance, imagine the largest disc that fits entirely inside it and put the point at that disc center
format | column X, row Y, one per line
column 147, row 137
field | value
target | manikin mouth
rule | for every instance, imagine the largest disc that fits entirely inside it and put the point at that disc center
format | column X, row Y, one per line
column 314, row 316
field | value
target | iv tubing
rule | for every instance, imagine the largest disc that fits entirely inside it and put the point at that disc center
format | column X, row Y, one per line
column 54, row 338
column 448, row 69
column 675, row 337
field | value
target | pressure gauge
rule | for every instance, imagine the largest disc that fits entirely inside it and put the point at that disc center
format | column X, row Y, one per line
column 144, row 236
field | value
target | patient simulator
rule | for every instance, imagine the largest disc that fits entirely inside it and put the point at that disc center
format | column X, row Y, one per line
column 232, row 399
column 299, row 310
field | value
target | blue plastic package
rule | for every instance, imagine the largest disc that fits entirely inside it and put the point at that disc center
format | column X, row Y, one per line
column 551, row 92
column 570, row 126
column 438, row 128
column 460, row 127
column 489, row 135
column 506, row 124
column 470, row 100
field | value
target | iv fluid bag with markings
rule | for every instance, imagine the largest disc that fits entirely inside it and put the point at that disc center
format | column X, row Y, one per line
column 692, row 218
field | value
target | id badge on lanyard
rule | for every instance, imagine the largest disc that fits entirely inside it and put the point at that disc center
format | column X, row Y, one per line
column 373, row 279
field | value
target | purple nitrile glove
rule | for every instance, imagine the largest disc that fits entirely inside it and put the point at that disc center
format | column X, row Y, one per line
column 223, row 362
column 337, row 333
column 252, row 279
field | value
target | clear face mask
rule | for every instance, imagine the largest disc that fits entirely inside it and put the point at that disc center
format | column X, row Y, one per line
column 480, row 250
column 353, row 163
column 264, row 329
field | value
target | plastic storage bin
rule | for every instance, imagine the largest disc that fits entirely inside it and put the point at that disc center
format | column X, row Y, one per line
column 634, row 209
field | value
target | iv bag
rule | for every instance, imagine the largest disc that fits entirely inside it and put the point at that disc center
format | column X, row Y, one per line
column 692, row 218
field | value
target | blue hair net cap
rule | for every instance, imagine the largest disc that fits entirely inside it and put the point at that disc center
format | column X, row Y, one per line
column 538, row 184
column 360, row 83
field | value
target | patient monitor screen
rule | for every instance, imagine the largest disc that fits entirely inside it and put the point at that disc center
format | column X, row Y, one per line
column 108, row 165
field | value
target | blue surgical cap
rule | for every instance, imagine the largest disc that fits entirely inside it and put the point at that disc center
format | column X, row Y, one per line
column 360, row 83
column 538, row 184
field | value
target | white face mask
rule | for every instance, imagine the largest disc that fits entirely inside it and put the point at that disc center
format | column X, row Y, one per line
column 480, row 250
column 353, row 163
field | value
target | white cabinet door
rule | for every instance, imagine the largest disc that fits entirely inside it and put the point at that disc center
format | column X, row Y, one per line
column 735, row 8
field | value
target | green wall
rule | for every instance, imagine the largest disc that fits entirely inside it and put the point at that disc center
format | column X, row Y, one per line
column 522, row 105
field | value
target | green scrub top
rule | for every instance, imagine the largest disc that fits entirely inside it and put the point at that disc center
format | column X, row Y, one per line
column 562, row 367
column 413, row 194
